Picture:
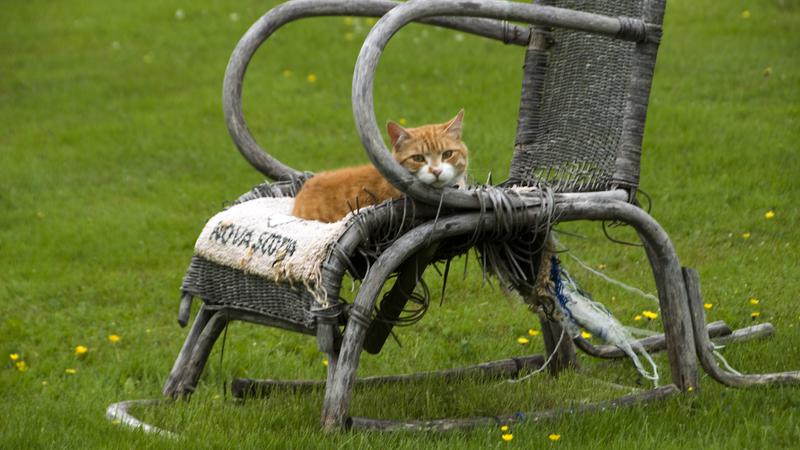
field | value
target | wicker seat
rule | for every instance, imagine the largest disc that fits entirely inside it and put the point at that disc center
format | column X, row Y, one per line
column 587, row 75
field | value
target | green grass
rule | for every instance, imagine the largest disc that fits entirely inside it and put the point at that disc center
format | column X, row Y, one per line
column 113, row 153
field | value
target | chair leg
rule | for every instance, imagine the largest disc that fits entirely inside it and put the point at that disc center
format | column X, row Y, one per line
column 342, row 377
column 175, row 375
column 333, row 363
column 675, row 315
column 705, row 348
column 193, row 367
column 561, row 348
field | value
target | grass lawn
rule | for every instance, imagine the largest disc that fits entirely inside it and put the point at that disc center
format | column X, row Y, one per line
column 114, row 153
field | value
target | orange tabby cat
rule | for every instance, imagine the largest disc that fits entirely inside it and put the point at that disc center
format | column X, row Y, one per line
column 434, row 154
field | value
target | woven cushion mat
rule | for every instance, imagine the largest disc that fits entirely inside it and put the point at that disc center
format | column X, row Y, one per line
column 261, row 237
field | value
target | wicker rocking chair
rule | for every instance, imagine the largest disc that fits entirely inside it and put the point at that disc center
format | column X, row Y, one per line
column 587, row 73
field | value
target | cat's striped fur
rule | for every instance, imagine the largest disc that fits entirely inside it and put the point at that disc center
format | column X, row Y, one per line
column 434, row 154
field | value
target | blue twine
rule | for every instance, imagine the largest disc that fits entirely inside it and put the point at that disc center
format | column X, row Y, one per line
column 555, row 277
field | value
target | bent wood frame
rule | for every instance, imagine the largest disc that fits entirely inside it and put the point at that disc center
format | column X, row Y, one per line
column 661, row 254
column 290, row 11
column 366, row 66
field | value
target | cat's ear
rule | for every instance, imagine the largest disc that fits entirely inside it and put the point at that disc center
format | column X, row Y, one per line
column 396, row 133
column 453, row 127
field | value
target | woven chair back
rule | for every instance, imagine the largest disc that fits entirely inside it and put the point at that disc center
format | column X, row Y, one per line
column 576, row 103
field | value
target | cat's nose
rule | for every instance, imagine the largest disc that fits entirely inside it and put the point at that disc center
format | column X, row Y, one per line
column 436, row 171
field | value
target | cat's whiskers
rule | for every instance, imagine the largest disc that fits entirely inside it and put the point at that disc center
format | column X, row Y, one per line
column 441, row 175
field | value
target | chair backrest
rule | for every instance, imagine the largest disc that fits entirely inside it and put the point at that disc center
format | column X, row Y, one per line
column 583, row 103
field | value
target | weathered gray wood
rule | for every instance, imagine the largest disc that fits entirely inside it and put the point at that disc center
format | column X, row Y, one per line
column 761, row 330
column 629, row 156
column 663, row 260
column 393, row 303
column 194, row 353
column 333, row 362
column 185, row 309
column 339, row 391
column 505, row 368
column 326, row 336
column 705, row 347
column 363, row 423
column 338, row 394
column 564, row 357
column 175, row 375
column 661, row 254
column 530, row 98
column 298, row 9
column 208, row 324
column 655, row 343
column 392, row 21
column 197, row 360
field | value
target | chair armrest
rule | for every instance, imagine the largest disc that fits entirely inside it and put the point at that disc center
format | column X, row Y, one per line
column 290, row 11
column 392, row 21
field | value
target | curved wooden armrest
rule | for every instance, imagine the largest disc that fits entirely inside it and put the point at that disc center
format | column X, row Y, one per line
column 392, row 21
column 298, row 9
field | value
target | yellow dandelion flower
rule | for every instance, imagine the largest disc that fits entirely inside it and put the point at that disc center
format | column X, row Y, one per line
column 746, row 235
column 601, row 266
column 769, row 214
column 44, row 383
column 81, row 350
column 402, row 121
column 650, row 315
column 287, row 73
column 21, row 366
column 637, row 317
column 311, row 78
column 507, row 437
column 745, row 14
column 113, row 338
column 554, row 437
column 348, row 21
column 71, row 371
column 586, row 335
column 689, row 389
column 216, row 396
column 504, row 428
column 523, row 340
column 754, row 315
column 533, row 333
column 325, row 362
column 754, row 301
column 14, row 356
column 708, row 305
column 349, row 36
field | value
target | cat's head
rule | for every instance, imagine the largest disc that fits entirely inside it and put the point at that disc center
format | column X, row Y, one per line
column 434, row 154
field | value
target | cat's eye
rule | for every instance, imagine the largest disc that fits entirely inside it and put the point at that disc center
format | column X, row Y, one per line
column 418, row 158
column 447, row 154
